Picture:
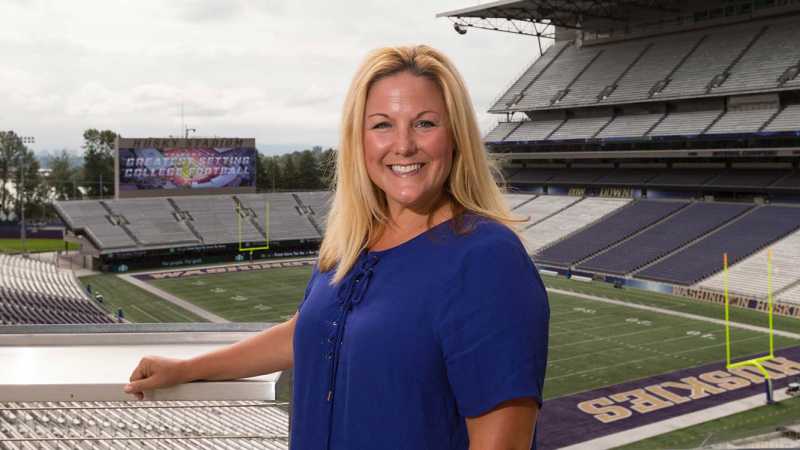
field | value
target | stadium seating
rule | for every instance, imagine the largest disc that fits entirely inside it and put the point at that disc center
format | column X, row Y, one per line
column 580, row 128
column 740, row 58
column 319, row 204
column 686, row 123
column 548, row 84
column 534, row 130
column 610, row 64
column 136, row 224
column 630, row 126
column 513, row 93
column 612, row 229
column 33, row 292
column 499, row 133
column 745, row 121
column 215, row 218
column 787, row 120
column 96, row 222
column 766, row 60
column 741, row 238
column 544, row 206
column 791, row 295
column 153, row 221
column 692, row 177
column 791, row 180
column 749, row 276
column 286, row 220
column 532, row 175
column 745, row 178
column 716, row 52
column 685, row 226
column 514, row 200
column 161, row 425
column 568, row 221
column 624, row 177
column 652, row 67
column 576, row 176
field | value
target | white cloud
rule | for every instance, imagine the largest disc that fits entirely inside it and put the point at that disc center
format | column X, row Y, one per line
column 265, row 68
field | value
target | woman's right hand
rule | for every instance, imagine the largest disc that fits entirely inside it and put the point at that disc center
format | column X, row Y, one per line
column 155, row 372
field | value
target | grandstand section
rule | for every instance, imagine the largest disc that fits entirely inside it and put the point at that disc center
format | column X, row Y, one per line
column 751, row 232
column 610, row 230
column 791, row 295
column 515, row 200
column 318, row 204
column 543, row 207
column 750, row 276
column 148, row 232
column 573, row 218
column 688, row 224
column 34, row 292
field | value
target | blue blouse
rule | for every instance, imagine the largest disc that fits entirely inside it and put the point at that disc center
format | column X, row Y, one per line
column 416, row 338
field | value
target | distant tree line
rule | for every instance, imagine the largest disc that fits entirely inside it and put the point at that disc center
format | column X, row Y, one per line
column 93, row 176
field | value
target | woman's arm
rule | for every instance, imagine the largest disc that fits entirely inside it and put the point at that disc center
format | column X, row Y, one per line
column 266, row 352
column 509, row 426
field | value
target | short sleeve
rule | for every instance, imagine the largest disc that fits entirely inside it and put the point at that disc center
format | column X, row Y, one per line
column 310, row 284
column 493, row 328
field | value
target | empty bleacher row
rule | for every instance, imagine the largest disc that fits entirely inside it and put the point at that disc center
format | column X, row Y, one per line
column 614, row 228
column 558, row 226
column 673, row 241
column 751, row 277
column 605, row 126
column 772, row 179
column 742, row 58
column 164, row 425
column 137, row 224
column 752, row 232
column 682, row 227
column 33, row 292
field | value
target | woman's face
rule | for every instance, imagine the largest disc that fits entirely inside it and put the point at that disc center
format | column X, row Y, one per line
column 408, row 146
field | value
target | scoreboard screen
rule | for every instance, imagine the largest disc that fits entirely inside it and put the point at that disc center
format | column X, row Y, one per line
column 146, row 166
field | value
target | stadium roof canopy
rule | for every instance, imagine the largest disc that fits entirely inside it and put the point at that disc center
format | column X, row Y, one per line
column 539, row 17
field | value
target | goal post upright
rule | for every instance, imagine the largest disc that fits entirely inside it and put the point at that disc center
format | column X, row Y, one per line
column 756, row 362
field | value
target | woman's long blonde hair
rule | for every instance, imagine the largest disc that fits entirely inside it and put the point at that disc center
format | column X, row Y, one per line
column 359, row 210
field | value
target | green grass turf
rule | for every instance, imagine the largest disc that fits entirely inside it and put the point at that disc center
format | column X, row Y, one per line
column 674, row 303
column 34, row 245
column 259, row 296
column 593, row 344
column 754, row 422
column 138, row 305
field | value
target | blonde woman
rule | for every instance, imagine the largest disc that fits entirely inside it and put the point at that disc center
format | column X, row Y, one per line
column 424, row 324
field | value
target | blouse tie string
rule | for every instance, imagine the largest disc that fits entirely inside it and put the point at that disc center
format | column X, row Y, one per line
column 350, row 293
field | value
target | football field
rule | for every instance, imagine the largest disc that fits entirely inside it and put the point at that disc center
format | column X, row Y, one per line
column 592, row 344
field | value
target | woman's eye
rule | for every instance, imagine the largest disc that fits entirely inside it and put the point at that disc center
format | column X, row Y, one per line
column 425, row 124
column 381, row 125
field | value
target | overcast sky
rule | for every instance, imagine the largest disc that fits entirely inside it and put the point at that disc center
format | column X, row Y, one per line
column 273, row 70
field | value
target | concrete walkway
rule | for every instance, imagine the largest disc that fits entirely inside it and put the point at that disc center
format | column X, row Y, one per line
column 669, row 312
column 177, row 301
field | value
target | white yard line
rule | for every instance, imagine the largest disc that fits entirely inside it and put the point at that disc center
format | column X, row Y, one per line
column 669, row 312
column 174, row 299
column 660, row 355
column 676, row 423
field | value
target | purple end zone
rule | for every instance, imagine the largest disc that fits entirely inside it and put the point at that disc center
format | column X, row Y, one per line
column 630, row 405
